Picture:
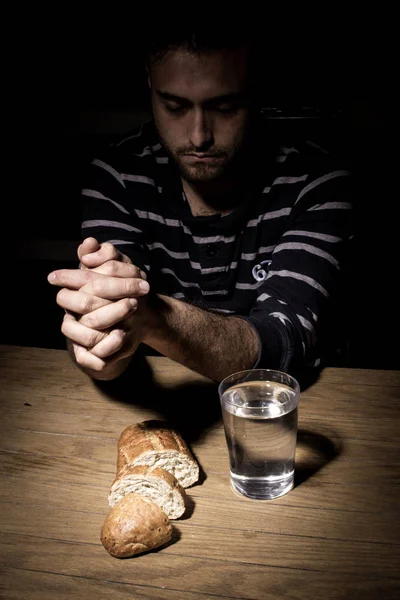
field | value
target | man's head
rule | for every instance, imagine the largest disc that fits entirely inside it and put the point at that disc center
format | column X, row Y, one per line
column 202, row 100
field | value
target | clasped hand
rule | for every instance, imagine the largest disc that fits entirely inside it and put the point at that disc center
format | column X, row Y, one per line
column 105, row 305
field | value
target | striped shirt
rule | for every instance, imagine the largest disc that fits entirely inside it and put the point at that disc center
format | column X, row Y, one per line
column 275, row 260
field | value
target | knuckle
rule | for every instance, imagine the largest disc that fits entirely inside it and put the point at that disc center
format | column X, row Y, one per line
column 112, row 267
column 131, row 286
column 89, row 321
column 127, row 270
column 86, row 277
column 92, row 338
column 89, row 275
column 96, row 287
column 109, row 250
column 86, row 303
column 126, row 306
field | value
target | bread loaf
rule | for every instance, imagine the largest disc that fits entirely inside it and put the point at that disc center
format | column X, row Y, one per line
column 156, row 484
column 154, row 465
column 153, row 444
column 135, row 525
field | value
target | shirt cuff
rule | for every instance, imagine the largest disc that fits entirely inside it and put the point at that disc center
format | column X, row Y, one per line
column 276, row 348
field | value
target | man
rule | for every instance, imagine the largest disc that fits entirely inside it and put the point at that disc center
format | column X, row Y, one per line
column 205, row 240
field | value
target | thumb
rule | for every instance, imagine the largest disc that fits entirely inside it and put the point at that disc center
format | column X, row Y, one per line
column 88, row 246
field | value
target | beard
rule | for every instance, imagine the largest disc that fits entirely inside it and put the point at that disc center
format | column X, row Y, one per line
column 200, row 172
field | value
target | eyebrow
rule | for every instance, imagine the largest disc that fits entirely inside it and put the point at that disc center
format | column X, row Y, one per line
column 214, row 100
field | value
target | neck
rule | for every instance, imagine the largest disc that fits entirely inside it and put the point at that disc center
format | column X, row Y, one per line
column 212, row 197
column 224, row 195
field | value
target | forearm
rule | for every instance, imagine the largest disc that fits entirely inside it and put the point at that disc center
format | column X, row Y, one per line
column 208, row 343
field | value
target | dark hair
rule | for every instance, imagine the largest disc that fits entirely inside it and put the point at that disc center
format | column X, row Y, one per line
column 205, row 38
column 196, row 40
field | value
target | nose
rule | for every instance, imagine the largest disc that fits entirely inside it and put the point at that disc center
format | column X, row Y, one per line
column 200, row 133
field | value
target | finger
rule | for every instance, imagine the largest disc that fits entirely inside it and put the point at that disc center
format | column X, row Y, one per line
column 86, row 359
column 72, row 279
column 114, row 288
column 115, row 268
column 88, row 246
column 125, row 351
column 110, row 345
column 80, row 334
column 79, row 302
column 107, row 316
column 105, row 252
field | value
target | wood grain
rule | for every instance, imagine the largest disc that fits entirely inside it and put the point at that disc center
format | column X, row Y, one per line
column 202, row 576
column 89, row 428
column 72, row 474
column 335, row 535
column 256, row 546
column 205, row 511
column 114, row 419
column 58, row 490
column 346, row 470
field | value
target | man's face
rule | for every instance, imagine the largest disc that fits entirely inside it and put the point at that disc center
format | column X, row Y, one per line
column 201, row 110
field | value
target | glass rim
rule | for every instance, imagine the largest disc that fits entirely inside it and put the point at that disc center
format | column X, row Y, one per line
column 296, row 385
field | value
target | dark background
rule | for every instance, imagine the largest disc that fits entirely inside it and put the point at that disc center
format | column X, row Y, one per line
column 71, row 87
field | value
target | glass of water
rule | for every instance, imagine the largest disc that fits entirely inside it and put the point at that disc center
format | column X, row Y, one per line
column 259, row 410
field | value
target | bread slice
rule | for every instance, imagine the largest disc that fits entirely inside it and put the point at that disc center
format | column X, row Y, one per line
column 156, row 484
column 153, row 444
column 135, row 525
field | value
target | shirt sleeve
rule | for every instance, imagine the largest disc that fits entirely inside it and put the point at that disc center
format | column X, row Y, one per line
column 300, row 294
column 107, row 211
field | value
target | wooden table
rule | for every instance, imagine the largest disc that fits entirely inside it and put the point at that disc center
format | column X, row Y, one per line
column 335, row 535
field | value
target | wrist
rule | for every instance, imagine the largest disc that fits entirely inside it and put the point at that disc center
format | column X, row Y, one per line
column 155, row 319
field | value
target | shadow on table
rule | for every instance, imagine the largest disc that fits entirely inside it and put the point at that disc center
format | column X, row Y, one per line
column 192, row 408
column 189, row 408
column 190, row 505
column 314, row 452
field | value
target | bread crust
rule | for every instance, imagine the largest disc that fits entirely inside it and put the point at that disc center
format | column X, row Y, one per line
column 133, row 526
column 148, row 437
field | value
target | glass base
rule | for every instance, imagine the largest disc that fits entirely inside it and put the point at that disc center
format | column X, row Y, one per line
column 261, row 488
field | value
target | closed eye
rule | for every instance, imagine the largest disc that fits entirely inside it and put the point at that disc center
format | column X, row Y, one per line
column 175, row 108
column 178, row 108
column 226, row 108
column 224, row 104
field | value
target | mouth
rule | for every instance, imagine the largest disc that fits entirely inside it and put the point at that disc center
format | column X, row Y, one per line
column 202, row 157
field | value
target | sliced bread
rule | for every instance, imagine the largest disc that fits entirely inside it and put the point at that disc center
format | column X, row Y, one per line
column 154, row 444
column 156, row 484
